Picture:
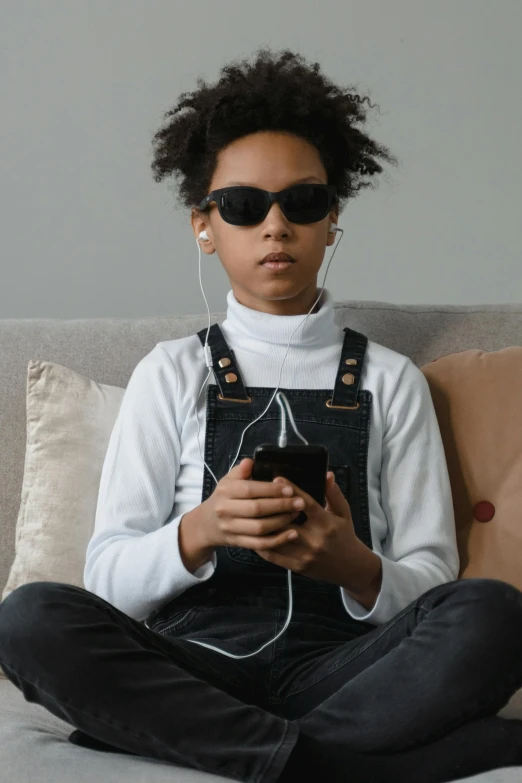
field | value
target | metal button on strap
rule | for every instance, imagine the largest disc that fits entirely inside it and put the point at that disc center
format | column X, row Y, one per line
column 224, row 362
column 231, row 377
column 348, row 378
column 350, row 361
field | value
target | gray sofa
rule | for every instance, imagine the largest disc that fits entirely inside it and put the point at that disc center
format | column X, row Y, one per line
column 33, row 743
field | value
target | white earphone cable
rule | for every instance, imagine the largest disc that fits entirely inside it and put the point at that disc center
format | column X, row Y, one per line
column 282, row 438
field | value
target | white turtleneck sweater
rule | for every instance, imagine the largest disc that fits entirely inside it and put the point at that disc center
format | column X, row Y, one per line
column 153, row 471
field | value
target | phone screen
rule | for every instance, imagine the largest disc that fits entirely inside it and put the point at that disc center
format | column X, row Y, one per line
column 305, row 466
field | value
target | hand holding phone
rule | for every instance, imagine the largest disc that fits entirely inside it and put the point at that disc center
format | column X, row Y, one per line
column 304, row 465
column 242, row 512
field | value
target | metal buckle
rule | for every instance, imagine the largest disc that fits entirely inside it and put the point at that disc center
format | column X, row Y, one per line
column 343, row 407
column 232, row 399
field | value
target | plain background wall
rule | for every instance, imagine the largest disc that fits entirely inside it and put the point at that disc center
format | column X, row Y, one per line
column 86, row 232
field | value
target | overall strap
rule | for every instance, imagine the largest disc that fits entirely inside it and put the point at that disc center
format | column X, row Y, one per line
column 225, row 367
column 347, row 382
column 231, row 384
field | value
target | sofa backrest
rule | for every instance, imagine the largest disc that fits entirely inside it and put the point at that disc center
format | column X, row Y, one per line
column 108, row 349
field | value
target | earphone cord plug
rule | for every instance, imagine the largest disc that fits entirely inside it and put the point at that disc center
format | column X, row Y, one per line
column 208, row 356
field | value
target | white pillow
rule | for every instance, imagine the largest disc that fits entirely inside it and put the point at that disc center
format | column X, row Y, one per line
column 69, row 422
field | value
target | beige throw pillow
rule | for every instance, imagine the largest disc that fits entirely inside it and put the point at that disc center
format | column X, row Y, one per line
column 476, row 395
column 69, row 422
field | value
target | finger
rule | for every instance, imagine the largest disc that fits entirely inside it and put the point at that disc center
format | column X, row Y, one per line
column 256, row 489
column 264, row 526
column 243, row 469
column 265, row 542
column 337, row 502
column 261, row 508
column 282, row 481
column 261, row 528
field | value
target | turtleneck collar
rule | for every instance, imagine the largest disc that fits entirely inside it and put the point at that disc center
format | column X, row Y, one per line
column 318, row 329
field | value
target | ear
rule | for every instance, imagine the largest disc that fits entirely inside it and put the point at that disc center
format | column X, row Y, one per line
column 332, row 218
column 198, row 225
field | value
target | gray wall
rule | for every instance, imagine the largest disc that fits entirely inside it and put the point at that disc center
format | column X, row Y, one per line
column 87, row 233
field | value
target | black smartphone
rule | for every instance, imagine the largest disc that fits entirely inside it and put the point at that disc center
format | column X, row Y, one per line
column 302, row 464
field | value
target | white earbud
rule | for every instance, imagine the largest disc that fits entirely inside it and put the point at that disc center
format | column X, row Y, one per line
column 205, row 238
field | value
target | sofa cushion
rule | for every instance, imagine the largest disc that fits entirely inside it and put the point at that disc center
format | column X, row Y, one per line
column 476, row 395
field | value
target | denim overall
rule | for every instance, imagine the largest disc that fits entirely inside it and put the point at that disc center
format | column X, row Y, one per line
column 244, row 582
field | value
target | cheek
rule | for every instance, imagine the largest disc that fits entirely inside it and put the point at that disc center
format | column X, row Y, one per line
column 234, row 247
column 237, row 259
column 315, row 240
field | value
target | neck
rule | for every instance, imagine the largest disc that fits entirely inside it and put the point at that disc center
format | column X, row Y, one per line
column 299, row 305
column 316, row 329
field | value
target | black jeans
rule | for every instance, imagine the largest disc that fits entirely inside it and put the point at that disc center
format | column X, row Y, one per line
column 414, row 699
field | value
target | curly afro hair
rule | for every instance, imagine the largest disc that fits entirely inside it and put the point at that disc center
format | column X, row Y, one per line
column 280, row 93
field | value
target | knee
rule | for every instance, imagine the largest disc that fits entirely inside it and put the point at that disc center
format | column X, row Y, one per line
column 31, row 595
column 25, row 609
column 489, row 593
column 35, row 628
column 492, row 602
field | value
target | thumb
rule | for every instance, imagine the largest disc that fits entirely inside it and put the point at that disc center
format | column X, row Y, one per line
column 336, row 501
column 243, row 469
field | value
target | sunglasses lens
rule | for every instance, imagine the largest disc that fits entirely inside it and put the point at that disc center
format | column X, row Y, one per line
column 301, row 204
column 243, row 206
column 306, row 203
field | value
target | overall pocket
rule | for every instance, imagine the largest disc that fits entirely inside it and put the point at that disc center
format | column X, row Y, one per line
column 177, row 613
column 175, row 622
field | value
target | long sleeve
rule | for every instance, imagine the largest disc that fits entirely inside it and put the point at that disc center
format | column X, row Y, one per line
column 420, row 549
column 133, row 558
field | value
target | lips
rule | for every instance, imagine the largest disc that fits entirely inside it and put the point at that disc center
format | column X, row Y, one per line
column 277, row 257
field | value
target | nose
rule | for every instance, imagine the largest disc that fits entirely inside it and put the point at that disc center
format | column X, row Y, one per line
column 275, row 222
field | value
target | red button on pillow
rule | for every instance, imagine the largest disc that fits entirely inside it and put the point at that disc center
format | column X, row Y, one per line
column 484, row 511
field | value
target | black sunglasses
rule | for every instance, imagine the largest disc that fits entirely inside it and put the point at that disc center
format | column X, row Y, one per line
column 243, row 205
